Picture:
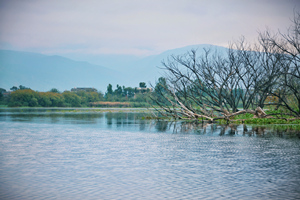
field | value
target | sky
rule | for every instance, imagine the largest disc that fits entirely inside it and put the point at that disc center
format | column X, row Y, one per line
column 135, row 27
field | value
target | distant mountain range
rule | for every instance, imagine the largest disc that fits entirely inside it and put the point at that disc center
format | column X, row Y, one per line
column 42, row 72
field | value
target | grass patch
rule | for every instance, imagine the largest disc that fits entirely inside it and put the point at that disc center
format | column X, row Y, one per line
column 248, row 119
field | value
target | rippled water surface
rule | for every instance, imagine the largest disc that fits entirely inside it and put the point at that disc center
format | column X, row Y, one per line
column 45, row 154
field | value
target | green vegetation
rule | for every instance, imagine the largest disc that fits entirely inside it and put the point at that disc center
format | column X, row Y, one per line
column 120, row 97
column 26, row 97
column 248, row 119
column 128, row 94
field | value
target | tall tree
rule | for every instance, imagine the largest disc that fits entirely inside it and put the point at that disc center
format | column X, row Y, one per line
column 142, row 85
column 287, row 45
column 54, row 90
column 109, row 89
column 14, row 88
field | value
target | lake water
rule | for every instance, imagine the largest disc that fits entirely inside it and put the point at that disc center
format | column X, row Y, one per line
column 45, row 154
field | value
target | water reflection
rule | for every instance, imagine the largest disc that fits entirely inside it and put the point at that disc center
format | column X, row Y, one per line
column 229, row 130
column 133, row 121
column 162, row 126
column 83, row 118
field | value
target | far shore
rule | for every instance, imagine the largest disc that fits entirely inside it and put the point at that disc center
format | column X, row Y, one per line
column 81, row 109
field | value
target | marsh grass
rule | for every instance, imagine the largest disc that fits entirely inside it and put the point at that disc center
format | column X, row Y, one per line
column 248, row 119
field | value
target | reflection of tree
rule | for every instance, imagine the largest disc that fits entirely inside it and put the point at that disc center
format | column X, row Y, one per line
column 223, row 130
column 124, row 119
column 259, row 130
column 245, row 129
column 161, row 126
column 142, row 125
column 109, row 118
column 120, row 119
column 73, row 118
column 226, row 130
column 232, row 129
column 81, row 118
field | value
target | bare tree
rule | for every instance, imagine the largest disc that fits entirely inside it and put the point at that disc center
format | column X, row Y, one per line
column 288, row 46
column 209, row 86
column 214, row 85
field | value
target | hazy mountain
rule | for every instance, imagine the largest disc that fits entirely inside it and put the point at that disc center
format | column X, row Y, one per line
column 149, row 69
column 41, row 72
column 111, row 61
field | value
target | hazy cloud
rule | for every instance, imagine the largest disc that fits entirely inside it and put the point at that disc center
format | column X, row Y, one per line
column 133, row 26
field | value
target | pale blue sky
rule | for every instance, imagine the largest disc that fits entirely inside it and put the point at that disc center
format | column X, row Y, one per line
column 135, row 27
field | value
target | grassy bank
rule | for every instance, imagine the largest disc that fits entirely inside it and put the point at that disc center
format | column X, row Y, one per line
column 248, row 119
column 277, row 118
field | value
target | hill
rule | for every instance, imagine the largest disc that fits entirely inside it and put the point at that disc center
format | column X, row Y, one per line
column 43, row 72
column 149, row 68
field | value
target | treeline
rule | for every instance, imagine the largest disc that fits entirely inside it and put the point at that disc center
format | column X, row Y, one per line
column 30, row 98
column 124, row 94
column 246, row 79
column 25, row 97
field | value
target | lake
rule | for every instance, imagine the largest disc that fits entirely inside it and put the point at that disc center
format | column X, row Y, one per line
column 116, row 154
